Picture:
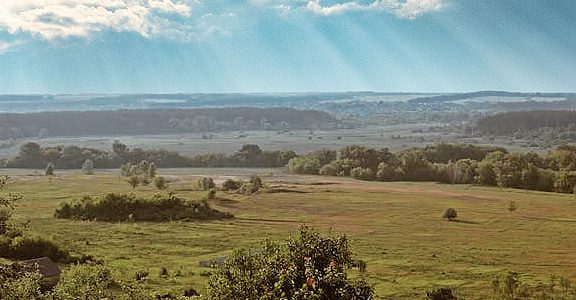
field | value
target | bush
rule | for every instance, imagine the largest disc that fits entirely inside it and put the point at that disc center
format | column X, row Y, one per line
column 211, row 194
column 120, row 207
column 205, row 183
column 362, row 173
column 133, row 181
column 329, row 170
column 450, row 214
column 304, row 165
column 25, row 247
column 96, row 282
column 306, row 266
column 231, row 185
column 160, row 183
column 440, row 294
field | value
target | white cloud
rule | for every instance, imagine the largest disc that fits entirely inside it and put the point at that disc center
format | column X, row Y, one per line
column 52, row 19
column 411, row 9
column 408, row 9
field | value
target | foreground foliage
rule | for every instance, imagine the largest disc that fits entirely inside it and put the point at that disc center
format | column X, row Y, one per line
column 121, row 207
column 306, row 266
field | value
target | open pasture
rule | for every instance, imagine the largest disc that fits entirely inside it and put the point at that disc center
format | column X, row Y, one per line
column 395, row 227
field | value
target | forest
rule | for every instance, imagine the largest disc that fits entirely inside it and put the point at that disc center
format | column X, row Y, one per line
column 159, row 121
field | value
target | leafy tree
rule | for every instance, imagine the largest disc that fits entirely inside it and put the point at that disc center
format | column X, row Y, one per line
column 49, row 171
column 205, row 183
column 486, row 174
column 462, row 172
column 362, row 173
column 133, row 181
column 249, row 152
column 88, row 167
column 324, row 156
column 151, row 172
column 160, row 183
column 306, row 266
column 6, row 207
column 304, row 165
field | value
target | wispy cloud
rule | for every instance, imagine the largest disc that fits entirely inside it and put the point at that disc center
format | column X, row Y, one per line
column 8, row 46
column 408, row 9
column 52, row 19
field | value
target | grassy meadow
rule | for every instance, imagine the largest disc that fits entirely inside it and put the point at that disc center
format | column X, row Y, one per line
column 395, row 227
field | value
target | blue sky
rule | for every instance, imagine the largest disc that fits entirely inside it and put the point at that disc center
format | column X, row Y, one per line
column 171, row 46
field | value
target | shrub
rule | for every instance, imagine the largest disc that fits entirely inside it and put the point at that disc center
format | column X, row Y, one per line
column 160, row 183
column 25, row 247
column 231, row 185
column 205, row 183
column 440, row 294
column 163, row 272
column 133, row 181
column 306, row 266
column 16, row 283
column 304, row 165
column 120, row 207
column 96, row 282
column 450, row 214
column 362, row 173
column 329, row 170
column 256, row 180
column 211, row 194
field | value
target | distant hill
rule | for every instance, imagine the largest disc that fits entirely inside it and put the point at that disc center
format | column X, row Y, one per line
column 159, row 121
column 482, row 94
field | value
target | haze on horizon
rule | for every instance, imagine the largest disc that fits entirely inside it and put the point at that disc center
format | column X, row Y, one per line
column 180, row 46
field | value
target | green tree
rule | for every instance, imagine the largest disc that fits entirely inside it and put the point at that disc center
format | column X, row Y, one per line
column 160, row 183
column 306, row 266
column 88, row 167
column 151, row 172
column 6, row 207
column 133, row 181
column 49, row 171
column 205, row 183
column 304, row 165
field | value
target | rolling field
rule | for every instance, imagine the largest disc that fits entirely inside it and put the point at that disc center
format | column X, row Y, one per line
column 301, row 141
column 395, row 227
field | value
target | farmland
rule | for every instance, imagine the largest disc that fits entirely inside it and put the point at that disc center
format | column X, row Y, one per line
column 395, row 227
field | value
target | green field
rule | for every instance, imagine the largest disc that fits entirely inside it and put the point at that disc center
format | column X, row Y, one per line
column 395, row 227
column 301, row 141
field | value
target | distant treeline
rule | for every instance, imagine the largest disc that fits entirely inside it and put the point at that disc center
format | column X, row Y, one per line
column 34, row 156
column 159, row 121
column 456, row 164
column 523, row 122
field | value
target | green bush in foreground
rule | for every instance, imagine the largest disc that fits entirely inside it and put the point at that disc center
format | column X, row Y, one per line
column 306, row 266
column 121, row 207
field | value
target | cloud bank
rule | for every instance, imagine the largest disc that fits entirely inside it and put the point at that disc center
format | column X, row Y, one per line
column 173, row 19
column 51, row 19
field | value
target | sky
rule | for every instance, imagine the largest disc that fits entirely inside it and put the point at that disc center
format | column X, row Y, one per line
column 269, row 46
